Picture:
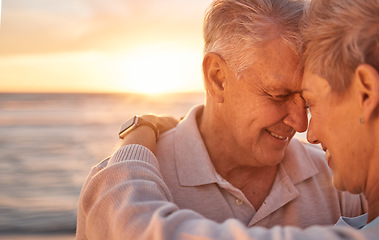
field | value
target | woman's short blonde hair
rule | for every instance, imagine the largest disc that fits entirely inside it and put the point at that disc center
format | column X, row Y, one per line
column 233, row 28
column 338, row 36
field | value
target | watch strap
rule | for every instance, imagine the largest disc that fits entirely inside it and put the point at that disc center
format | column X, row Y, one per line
column 135, row 122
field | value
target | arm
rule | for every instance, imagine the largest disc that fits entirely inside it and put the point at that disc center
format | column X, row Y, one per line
column 127, row 198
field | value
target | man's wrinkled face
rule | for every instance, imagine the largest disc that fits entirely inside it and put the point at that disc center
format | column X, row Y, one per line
column 264, row 107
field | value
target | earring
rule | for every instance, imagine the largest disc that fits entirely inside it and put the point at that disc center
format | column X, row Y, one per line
column 361, row 120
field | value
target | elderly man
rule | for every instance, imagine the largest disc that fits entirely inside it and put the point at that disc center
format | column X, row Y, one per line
column 232, row 157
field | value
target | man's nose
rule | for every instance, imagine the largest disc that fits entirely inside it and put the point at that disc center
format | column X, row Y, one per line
column 297, row 117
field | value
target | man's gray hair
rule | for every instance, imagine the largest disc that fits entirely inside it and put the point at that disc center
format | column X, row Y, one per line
column 235, row 28
column 338, row 36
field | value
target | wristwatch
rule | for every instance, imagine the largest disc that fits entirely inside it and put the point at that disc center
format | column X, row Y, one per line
column 135, row 122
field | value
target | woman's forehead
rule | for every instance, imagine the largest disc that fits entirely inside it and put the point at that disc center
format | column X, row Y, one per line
column 312, row 84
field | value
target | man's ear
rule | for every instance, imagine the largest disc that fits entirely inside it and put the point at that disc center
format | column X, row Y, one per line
column 367, row 79
column 215, row 75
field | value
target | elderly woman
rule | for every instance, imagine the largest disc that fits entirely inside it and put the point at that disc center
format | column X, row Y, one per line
column 341, row 88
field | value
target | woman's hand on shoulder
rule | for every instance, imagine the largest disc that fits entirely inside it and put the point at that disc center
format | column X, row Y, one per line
column 145, row 135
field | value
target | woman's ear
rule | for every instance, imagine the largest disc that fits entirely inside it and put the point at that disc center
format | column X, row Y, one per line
column 367, row 79
column 215, row 75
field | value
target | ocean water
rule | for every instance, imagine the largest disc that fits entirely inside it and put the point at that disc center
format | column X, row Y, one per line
column 48, row 143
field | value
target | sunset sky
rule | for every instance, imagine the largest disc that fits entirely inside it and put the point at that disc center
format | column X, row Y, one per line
column 101, row 45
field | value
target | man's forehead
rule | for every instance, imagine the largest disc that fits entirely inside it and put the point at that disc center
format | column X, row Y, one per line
column 284, row 86
column 283, row 81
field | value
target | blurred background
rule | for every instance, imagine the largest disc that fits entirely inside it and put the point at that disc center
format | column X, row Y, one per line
column 145, row 46
column 72, row 71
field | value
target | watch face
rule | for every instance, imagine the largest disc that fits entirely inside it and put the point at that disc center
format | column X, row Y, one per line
column 127, row 126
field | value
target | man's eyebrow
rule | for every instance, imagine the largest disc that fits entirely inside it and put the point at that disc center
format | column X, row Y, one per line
column 283, row 90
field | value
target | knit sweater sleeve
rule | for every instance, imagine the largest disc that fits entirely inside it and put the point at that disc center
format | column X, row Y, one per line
column 125, row 197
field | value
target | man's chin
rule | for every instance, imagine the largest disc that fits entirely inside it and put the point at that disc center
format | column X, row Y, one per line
column 272, row 159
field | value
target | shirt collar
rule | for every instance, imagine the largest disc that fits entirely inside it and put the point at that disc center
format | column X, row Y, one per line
column 195, row 167
column 354, row 222
column 373, row 223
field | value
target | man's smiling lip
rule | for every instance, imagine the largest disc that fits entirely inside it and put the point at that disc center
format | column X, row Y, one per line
column 279, row 136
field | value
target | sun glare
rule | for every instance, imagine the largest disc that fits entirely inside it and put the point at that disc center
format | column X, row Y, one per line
column 161, row 69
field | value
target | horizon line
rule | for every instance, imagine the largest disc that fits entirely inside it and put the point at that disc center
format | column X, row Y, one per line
column 101, row 92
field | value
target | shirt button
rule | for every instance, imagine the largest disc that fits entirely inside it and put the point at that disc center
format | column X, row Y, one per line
column 239, row 202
